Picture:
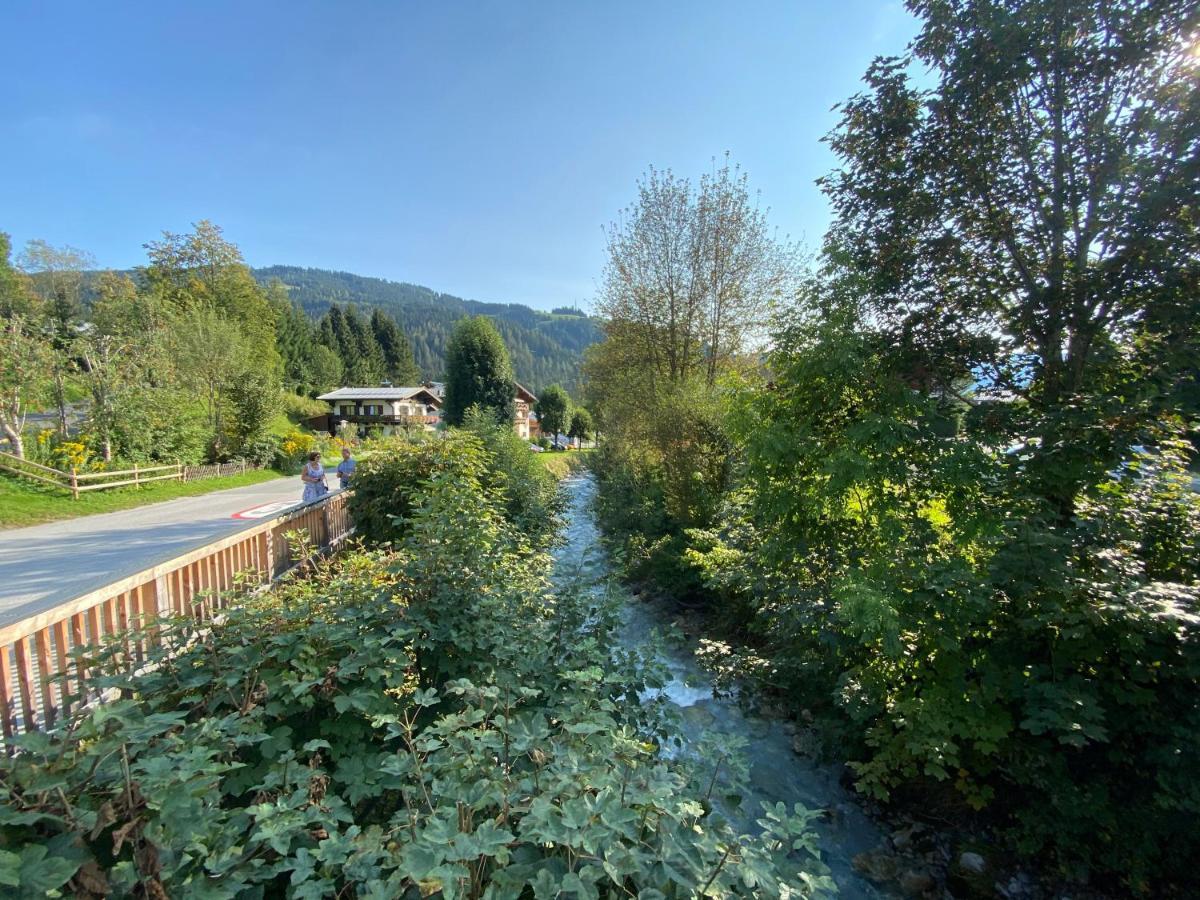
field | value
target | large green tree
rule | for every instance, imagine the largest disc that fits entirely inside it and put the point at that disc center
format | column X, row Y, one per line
column 478, row 372
column 553, row 410
column 116, row 355
column 295, row 338
column 1029, row 219
column 213, row 357
column 204, row 270
column 691, row 273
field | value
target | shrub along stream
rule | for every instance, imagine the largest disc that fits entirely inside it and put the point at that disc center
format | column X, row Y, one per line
column 425, row 716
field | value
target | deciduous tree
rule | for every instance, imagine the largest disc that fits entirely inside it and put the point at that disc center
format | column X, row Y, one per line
column 581, row 424
column 203, row 269
column 553, row 410
column 1030, row 219
column 691, row 272
column 57, row 275
column 115, row 353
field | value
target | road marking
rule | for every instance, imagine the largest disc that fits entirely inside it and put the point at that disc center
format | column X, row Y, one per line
column 264, row 510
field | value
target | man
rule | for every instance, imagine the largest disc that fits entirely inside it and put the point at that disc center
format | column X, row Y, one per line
column 345, row 469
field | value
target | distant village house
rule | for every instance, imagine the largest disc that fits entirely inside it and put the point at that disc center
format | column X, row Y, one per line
column 391, row 408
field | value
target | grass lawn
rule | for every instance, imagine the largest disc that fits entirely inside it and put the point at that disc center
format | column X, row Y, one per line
column 563, row 462
column 23, row 502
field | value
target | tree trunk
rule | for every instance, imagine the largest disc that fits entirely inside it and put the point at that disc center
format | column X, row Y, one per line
column 60, row 400
column 14, row 437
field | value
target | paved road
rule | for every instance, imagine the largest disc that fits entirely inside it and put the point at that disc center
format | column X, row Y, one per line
column 44, row 565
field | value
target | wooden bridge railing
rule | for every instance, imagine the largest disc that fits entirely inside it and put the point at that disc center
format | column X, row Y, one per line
column 40, row 672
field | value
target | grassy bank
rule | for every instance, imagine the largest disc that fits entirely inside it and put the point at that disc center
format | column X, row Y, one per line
column 25, row 503
column 563, row 463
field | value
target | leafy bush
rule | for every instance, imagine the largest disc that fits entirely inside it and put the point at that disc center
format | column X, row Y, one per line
column 298, row 408
column 532, row 500
column 634, row 512
column 907, row 578
column 390, row 482
column 307, row 744
column 263, row 450
column 293, row 448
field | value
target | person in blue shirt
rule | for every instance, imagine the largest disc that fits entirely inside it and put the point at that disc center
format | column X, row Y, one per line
column 345, row 469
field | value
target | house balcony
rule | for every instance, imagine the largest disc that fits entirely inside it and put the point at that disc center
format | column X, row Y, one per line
column 360, row 419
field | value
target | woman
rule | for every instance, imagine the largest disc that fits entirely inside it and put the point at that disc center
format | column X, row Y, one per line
column 313, row 476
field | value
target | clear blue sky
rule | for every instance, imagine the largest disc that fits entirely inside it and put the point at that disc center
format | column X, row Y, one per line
column 476, row 148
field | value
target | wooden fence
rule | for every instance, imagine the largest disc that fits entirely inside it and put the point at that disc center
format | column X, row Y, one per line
column 43, row 668
column 219, row 470
column 78, row 482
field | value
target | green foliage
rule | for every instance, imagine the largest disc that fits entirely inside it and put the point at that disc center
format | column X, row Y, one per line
column 921, row 592
column 393, row 479
column 531, row 498
column 958, row 521
column 308, row 367
column 298, row 408
column 25, row 365
column 180, row 362
column 15, row 296
column 399, row 367
column 388, row 483
column 428, row 719
column 478, row 372
column 1014, row 219
column 254, row 399
column 553, row 410
column 202, row 270
column 369, row 352
column 581, row 424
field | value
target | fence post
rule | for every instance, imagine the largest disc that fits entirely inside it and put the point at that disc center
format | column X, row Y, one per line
column 182, row 473
column 136, row 483
column 243, row 465
column 74, row 484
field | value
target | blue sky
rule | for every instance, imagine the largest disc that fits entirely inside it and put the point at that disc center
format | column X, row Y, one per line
column 476, row 148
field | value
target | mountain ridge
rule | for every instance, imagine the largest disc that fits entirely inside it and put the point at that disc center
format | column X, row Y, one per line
column 545, row 347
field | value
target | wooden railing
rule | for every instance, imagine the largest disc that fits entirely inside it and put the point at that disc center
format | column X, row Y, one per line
column 42, row 667
column 219, row 470
column 79, row 482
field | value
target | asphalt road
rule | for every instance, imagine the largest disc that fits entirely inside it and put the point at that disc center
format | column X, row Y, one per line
column 44, row 565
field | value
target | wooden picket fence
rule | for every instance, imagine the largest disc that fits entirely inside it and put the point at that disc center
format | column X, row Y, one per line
column 79, row 482
column 44, row 658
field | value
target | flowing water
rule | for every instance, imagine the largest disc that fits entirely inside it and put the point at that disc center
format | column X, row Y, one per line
column 776, row 772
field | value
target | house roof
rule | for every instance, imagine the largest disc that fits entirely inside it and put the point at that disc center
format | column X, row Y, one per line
column 380, row 393
column 523, row 393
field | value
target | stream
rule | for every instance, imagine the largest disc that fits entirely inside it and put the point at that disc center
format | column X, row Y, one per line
column 776, row 772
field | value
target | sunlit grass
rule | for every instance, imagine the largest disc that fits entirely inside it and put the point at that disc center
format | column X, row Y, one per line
column 26, row 503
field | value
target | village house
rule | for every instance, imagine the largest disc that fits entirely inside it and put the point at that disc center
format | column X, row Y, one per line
column 525, row 422
column 390, row 408
column 385, row 407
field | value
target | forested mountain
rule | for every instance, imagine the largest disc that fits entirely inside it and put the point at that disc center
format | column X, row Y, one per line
column 545, row 348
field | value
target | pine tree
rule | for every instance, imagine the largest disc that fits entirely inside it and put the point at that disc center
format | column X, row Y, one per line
column 399, row 365
column 295, row 338
column 368, row 365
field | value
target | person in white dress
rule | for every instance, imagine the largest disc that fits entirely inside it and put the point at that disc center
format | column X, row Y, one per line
column 313, row 476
